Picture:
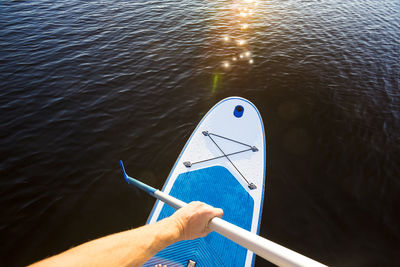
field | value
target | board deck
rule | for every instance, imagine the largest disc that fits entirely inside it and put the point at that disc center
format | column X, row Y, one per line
column 223, row 165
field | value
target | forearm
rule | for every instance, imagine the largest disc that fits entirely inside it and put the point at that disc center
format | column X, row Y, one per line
column 135, row 247
column 128, row 248
column 154, row 238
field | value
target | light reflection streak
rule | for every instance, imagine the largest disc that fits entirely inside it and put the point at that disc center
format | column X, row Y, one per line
column 235, row 40
column 241, row 42
column 244, row 26
column 215, row 82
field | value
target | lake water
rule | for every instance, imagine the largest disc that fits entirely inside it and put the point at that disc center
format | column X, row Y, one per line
column 84, row 84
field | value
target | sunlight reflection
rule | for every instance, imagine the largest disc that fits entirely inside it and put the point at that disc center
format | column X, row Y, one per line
column 235, row 39
column 244, row 26
column 241, row 42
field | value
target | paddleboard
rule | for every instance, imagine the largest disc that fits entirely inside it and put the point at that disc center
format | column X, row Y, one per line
column 223, row 165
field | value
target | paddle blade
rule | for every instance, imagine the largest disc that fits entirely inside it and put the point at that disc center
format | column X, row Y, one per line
column 135, row 182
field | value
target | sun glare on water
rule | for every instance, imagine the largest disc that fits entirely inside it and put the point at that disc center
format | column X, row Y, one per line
column 242, row 12
column 235, row 39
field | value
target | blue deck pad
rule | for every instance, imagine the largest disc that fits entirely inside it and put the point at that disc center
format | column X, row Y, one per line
column 217, row 187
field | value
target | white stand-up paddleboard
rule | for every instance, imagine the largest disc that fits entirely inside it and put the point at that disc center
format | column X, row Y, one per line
column 223, row 165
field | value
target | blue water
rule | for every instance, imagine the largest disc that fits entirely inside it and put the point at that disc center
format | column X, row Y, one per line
column 86, row 83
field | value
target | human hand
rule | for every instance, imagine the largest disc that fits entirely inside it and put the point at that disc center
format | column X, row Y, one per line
column 192, row 220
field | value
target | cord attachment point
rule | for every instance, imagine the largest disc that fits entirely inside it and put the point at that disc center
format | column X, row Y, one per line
column 187, row 164
column 252, row 186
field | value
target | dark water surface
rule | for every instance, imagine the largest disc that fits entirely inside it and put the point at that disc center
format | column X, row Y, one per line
column 86, row 83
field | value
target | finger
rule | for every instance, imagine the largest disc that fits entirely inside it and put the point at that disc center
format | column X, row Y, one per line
column 214, row 212
column 219, row 212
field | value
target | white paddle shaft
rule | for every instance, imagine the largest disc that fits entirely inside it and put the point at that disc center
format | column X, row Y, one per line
column 170, row 200
column 264, row 248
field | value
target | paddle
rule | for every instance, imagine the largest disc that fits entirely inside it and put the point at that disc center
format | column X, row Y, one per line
column 264, row 248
